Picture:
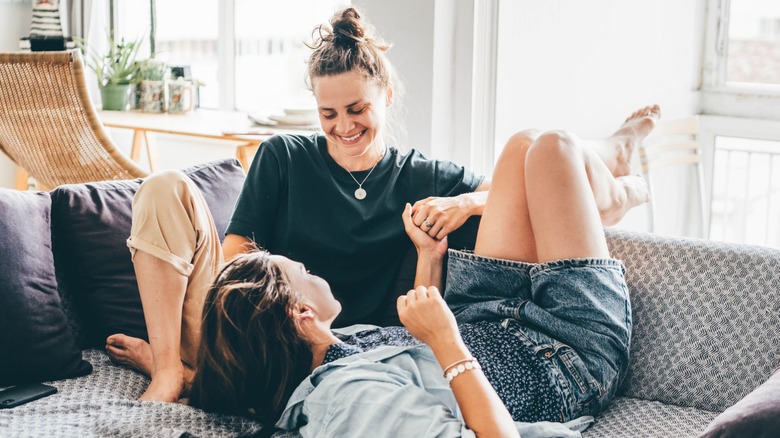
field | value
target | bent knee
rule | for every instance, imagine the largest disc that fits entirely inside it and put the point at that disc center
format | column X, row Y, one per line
column 162, row 187
column 519, row 143
column 523, row 138
column 555, row 144
column 165, row 178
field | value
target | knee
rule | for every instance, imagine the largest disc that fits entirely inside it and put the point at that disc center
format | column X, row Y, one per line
column 518, row 145
column 162, row 187
column 523, row 139
column 556, row 145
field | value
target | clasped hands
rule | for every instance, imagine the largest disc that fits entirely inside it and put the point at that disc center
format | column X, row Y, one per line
column 422, row 310
column 438, row 217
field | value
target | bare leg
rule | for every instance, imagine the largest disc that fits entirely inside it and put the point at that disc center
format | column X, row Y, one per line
column 564, row 215
column 616, row 150
column 506, row 229
column 163, row 313
column 131, row 352
column 176, row 252
column 612, row 157
column 137, row 354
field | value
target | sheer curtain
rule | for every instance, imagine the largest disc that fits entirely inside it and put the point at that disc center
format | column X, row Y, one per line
column 88, row 20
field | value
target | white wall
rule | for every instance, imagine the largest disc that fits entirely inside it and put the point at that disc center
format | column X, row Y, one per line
column 409, row 26
column 585, row 66
column 15, row 21
column 432, row 52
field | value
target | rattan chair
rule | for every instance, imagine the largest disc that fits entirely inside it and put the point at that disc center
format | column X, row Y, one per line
column 48, row 125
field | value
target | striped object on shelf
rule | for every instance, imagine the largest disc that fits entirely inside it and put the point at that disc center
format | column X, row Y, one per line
column 46, row 18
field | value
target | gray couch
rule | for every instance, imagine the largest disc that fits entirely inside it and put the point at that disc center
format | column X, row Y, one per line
column 706, row 333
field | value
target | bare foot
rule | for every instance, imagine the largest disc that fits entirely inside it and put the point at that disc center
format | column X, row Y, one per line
column 166, row 386
column 636, row 127
column 130, row 352
column 635, row 191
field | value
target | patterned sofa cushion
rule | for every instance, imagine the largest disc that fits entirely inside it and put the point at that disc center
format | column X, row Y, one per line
column 706, row 326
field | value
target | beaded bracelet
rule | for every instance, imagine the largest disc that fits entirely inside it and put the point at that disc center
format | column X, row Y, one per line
column 461, row 367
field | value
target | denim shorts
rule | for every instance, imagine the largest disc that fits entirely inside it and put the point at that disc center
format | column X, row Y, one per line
column 574, row 314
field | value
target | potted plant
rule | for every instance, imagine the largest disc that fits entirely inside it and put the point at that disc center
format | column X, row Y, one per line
column 150, row 82
column 115, row 71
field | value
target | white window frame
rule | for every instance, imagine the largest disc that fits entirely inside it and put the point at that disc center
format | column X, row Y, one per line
column 226, row 36
column 226, row 43
column 742, row 110
column 483, row 114
column 719, row 97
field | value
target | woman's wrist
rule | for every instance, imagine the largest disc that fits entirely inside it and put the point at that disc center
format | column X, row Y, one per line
column 466, row 202
column 473, row 203
column 429, row 255
column 460, row 367
column 449, row 350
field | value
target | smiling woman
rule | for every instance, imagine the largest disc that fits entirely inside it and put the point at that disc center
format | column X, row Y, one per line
column 352, row 114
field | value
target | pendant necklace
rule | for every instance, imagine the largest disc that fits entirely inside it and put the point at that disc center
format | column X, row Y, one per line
column 360, row 193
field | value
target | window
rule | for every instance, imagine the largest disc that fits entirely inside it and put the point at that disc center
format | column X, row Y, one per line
column 753, row 54
column 746, row 194
column 742, row 59
column 741, row 93
column 250, row 54
column 270, row 54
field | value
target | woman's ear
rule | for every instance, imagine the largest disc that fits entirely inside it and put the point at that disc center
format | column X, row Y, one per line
column 304, row 320
column 389, row 95
column 302, row 312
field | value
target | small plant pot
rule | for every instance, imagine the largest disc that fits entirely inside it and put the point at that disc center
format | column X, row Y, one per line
column 181, row 96
column 135, row 97
column 153, row 96
column 115, row 97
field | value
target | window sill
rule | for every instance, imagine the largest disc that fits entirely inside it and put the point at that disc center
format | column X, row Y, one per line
column 741, row 103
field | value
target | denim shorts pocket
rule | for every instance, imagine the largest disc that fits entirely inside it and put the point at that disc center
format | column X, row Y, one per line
column 574, row 367
column 580, row 390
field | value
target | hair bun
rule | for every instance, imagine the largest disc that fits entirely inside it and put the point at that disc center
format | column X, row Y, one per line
column 349, row 28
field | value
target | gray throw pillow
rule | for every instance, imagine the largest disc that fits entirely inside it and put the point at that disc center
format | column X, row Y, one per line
column 756, row 416
column 35, row 343
column 90, row 226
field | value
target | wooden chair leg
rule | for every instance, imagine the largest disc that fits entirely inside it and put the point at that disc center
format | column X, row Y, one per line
column 138, row 143
column 21, row 178
column 245, row 153
column 151, row 151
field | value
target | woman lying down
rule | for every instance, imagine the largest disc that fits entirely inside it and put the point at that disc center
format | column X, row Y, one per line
column 535, row 326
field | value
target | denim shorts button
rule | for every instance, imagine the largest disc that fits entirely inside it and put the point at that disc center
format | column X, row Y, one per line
column 547, row 354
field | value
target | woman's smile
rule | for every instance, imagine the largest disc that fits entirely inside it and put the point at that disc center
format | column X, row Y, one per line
column 353, row 139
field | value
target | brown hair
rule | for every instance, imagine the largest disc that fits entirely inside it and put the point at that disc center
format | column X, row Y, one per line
column 251, row 355
column 348, row 44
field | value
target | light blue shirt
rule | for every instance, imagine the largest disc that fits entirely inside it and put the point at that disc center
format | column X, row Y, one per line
column 389, row 392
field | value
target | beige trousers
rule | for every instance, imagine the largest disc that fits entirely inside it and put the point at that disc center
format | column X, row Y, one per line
column 172, row 222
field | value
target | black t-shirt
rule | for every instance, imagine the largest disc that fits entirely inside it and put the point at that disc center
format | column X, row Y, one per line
column 297, row 202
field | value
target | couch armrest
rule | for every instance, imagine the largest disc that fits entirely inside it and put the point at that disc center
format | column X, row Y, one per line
column 706, row 318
